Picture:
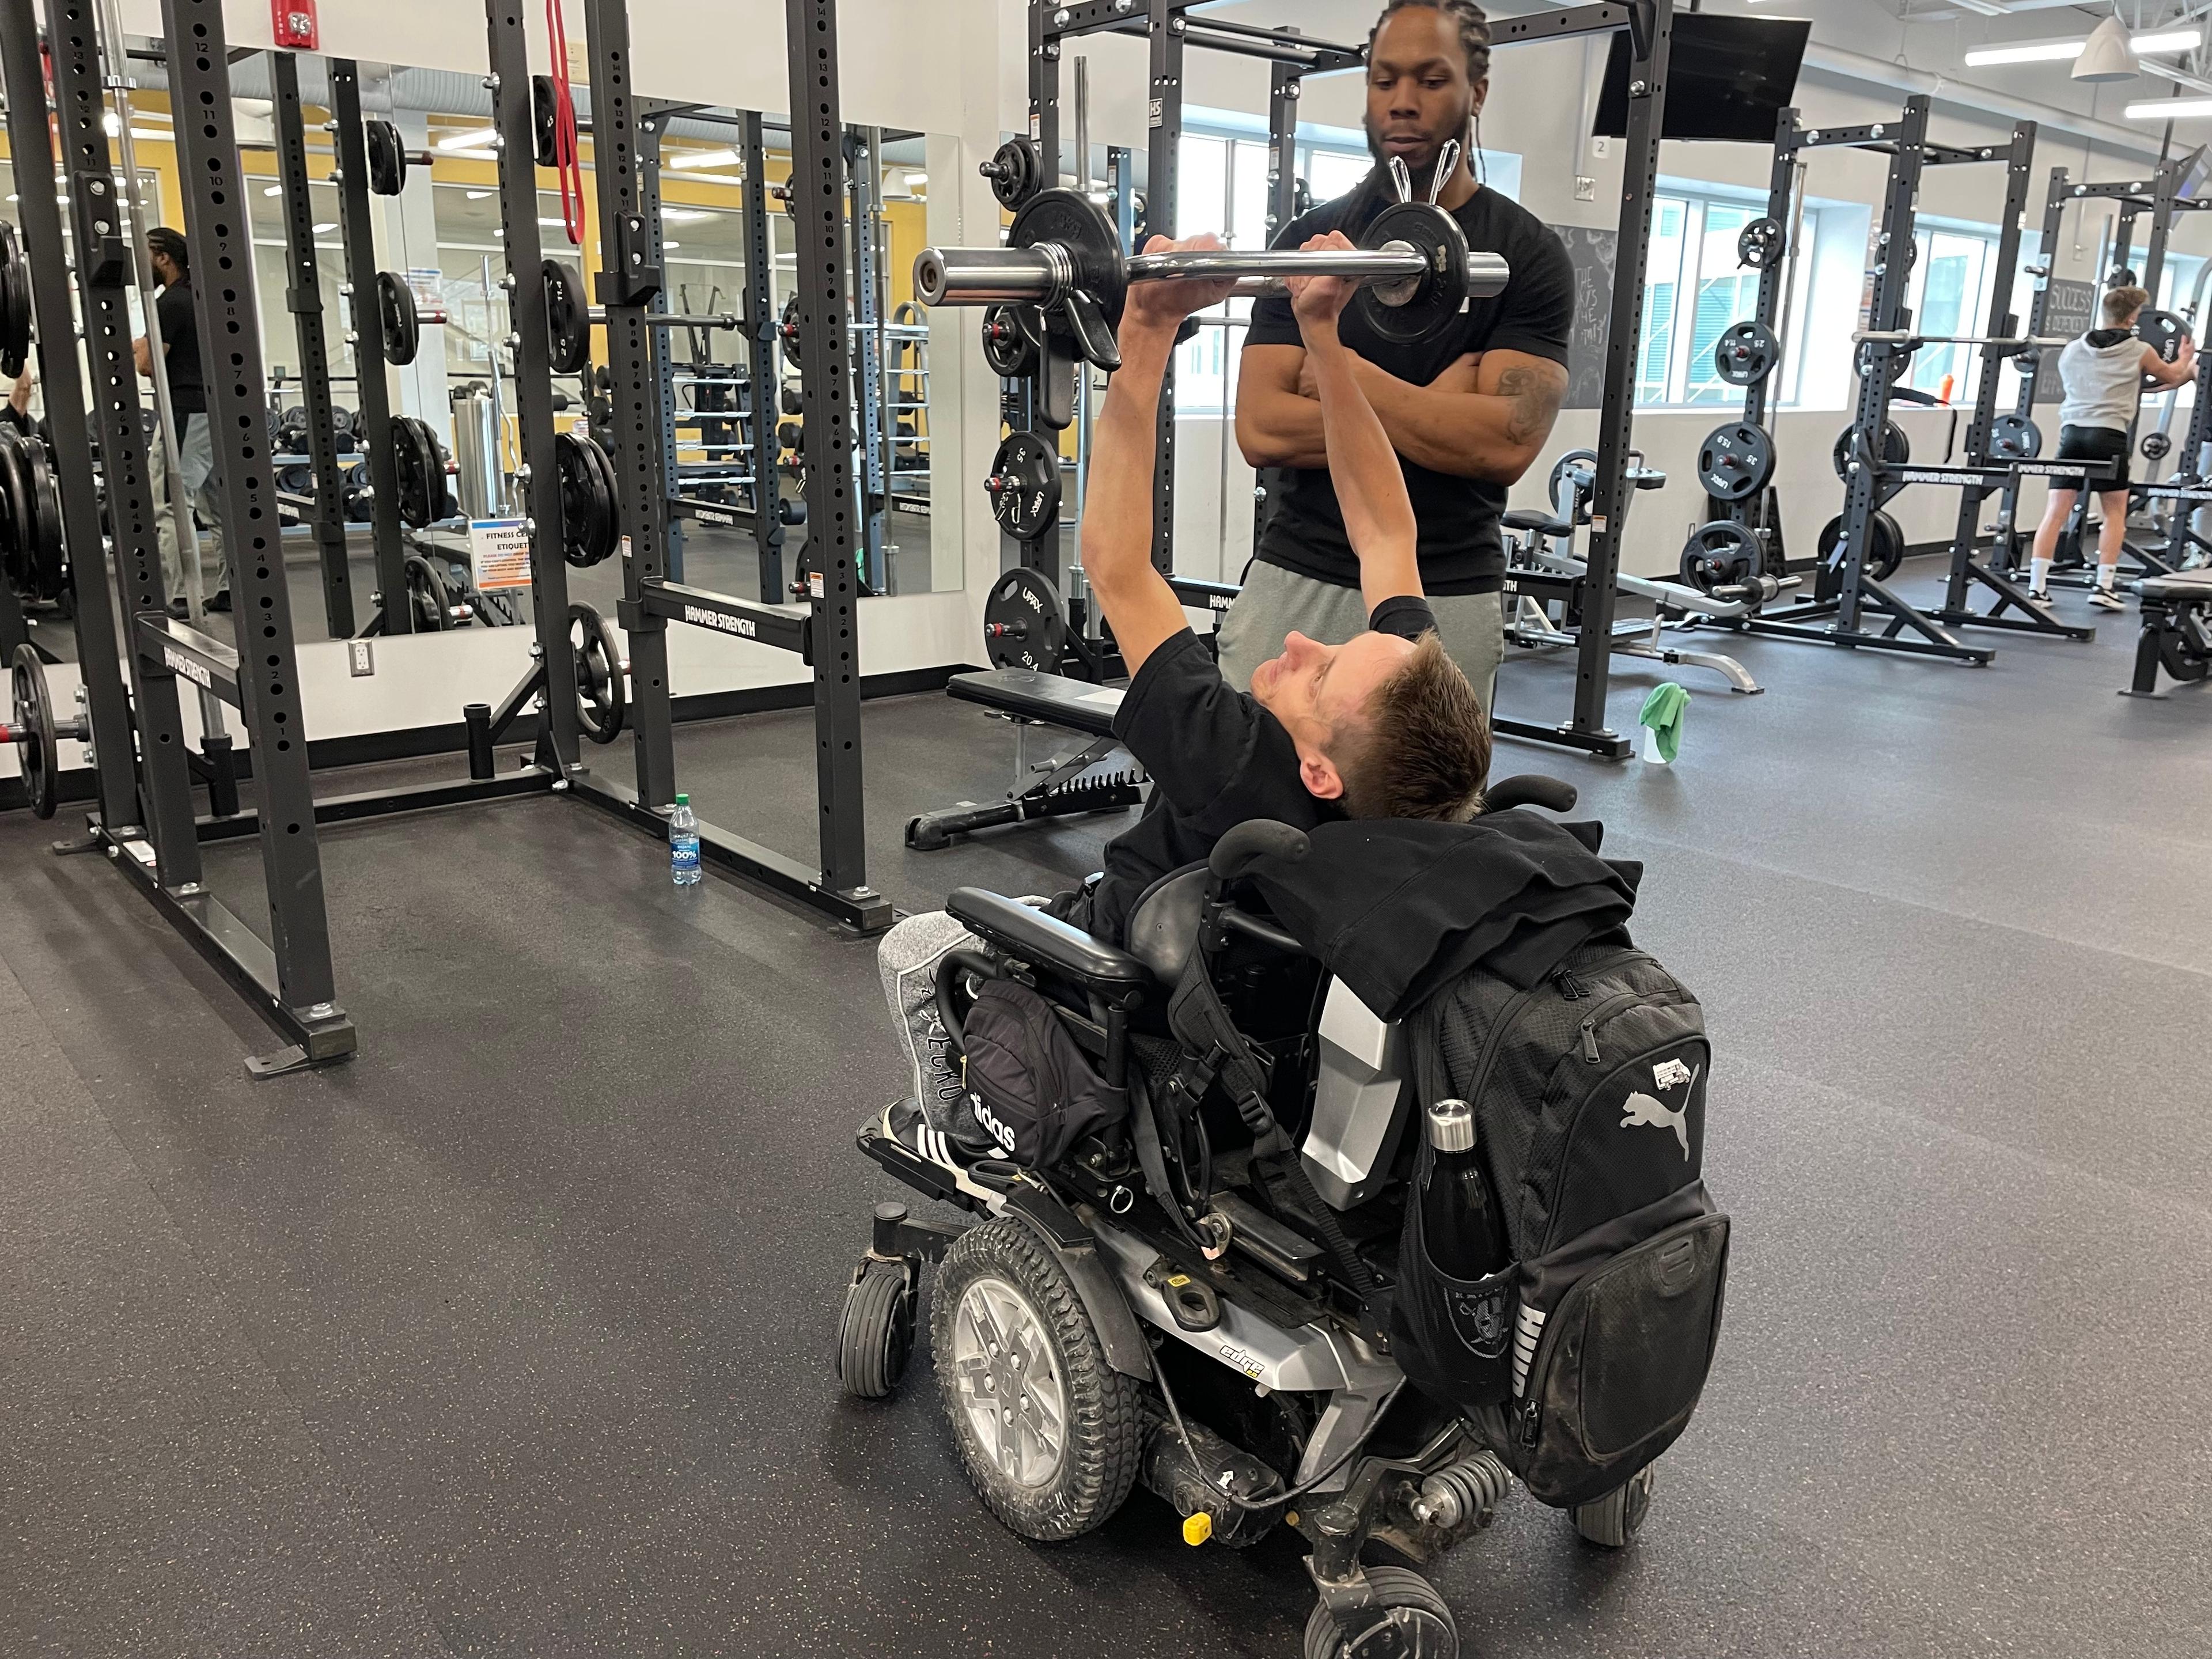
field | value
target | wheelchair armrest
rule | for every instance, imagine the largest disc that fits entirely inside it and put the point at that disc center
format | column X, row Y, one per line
column 1529, row 789
column 1033, row 936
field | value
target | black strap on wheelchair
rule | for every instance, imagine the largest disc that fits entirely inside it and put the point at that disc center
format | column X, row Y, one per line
column 1196, row 1015
column 1144, row 1137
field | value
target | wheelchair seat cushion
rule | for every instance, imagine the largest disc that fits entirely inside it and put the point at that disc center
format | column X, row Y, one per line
column 1163, row 927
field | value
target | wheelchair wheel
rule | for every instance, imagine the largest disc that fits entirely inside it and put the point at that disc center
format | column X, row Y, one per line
column 875, row 1327
column 1403, row 1599
column 1051, row 1435
column 1610, row 1520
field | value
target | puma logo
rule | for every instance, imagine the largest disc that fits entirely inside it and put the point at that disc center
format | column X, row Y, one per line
column 1642, row 1109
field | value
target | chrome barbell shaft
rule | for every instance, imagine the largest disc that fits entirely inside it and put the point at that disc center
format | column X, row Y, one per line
column 1043, row 274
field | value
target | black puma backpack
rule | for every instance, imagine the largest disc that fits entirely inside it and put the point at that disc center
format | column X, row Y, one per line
column 1583, row 1361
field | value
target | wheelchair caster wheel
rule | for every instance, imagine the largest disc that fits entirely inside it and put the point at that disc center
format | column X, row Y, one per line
column 1612, row 1520
column 875, row 1327
column 1405, row 1616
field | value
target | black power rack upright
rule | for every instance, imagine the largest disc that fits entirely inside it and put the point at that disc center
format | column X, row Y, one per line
column 1169, row 27
column 2161, row 196
column 144, row 822
column 1854, row 571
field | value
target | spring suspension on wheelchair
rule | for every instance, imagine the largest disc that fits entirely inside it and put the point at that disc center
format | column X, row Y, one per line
column 1464, row 1494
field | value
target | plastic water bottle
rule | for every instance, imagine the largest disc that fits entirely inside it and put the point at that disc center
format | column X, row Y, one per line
column 684, row 844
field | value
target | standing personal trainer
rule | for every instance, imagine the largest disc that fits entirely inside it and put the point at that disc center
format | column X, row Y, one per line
column 180, row 358
column 2101, row 377
column 1467, row 411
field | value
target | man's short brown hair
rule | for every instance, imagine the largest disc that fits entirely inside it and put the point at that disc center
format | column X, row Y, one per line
column 1425, row 749
column 2122, row 303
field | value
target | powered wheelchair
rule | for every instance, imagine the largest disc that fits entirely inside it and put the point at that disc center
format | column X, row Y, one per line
column 1194, row 1297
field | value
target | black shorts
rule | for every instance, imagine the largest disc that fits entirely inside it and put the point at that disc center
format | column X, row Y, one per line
column 2094, row 443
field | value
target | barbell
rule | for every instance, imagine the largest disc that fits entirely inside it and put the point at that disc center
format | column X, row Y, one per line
column 36, row 730
column 1061, row 248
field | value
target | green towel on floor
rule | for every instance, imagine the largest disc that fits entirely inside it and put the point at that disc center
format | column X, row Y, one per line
column 1662, row 713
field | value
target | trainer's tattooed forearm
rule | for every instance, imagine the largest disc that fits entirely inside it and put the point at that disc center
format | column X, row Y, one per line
column 1536, row 394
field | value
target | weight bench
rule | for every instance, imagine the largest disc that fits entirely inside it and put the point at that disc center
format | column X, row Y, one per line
column 2176, row 630
column 1054, row 788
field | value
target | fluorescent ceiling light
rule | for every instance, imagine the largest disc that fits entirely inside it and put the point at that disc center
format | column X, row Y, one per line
column 110, row 124
column 477, row 194
column 670, row 246
column 272, row 190
column 684, row 216
column 685, row 162
column 474, row 155
column 915, row 179
column 2152, row 41
column 322, row 229
column 554, row 224
column 479, row 139
column 142, row 134
column 2159, row 109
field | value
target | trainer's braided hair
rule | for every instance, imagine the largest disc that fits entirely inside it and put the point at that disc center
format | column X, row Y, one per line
column 1474, row 30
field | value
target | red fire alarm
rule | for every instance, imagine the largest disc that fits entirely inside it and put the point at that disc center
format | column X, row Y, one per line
column 294, row 22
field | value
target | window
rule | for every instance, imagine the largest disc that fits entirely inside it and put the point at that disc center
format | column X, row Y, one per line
column 1695, row 290
column 2176, row 282
column 1949, row 292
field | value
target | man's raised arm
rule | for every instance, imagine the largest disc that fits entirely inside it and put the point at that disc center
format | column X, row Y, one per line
column 1117, row 519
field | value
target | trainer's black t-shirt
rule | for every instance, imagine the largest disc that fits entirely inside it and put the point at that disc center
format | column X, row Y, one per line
column 181, row 339
column 1217, row 760
column 1461, row 550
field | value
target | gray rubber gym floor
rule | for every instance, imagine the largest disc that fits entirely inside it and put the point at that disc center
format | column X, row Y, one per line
column 511, row 1337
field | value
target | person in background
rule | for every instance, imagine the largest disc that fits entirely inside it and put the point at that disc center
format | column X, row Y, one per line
column 180, row 358
column 1467, row 410
column 2100, row 376
column 24, row 405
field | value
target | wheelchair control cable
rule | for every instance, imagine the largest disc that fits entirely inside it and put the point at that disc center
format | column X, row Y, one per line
column 1182, row 1433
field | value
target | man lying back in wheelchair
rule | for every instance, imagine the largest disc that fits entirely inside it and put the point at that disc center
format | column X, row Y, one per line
column 1382, row 727
column 1182, row 1099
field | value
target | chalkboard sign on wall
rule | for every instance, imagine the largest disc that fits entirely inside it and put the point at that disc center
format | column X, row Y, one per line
column 2067, row 312
column 1592, row 252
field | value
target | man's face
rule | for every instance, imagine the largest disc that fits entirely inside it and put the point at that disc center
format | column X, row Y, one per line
column 1318, row 691
column 164, row 268
column 1418, row 93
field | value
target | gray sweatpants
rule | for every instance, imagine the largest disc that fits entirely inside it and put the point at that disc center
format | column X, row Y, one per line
column 1275, row 600
column 906, row 959
column 196, row 452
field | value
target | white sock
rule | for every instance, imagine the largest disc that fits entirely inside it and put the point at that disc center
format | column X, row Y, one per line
column 2038, row 575
column 2104, row 574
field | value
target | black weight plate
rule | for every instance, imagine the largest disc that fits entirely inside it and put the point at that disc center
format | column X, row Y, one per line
column 397, row 324
column 568, row 318
column 1025, row 624
column 1896, row 447
column 1016, row 171
column 15, row 505
column 39, row 750
column 1746, row 354
column 2163, row 331
column 1076, row 222
column 1025, row 486
column 426, row 591
column 388, row 158
column 1009, row 340
column 1722, row 554
column 1735, row 461
column 1580, row 466
column 2184, row 649
column 602, row 696
column 341, row 420
column 48, row 559
column 418, row 475
column 787, row 331
column 1884, row 553
column 1440, row 295
column 2156, row 446
column 544, row 116
column 15, row 304
column 2014, row 437
column 589, row 529
column 1761, row 243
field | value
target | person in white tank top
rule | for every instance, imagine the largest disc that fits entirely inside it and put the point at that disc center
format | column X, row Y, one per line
column 2100, row 375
